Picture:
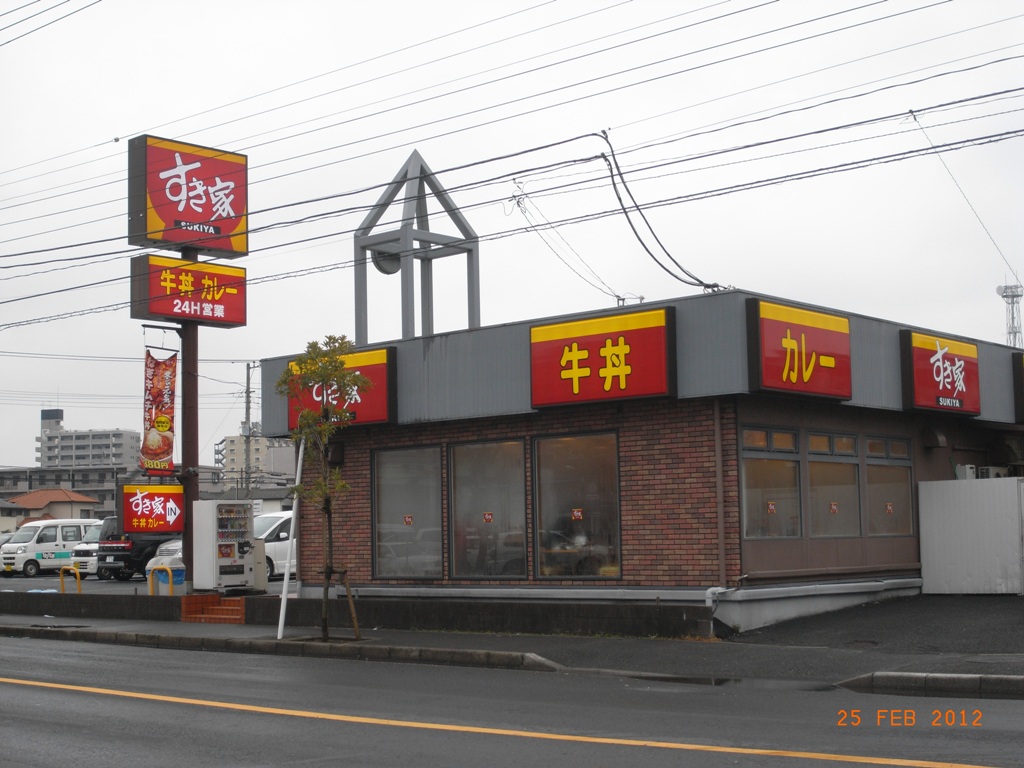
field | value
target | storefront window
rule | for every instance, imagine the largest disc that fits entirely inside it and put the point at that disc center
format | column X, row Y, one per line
column 835, row 499
column 407, row 513
column 889, row 501
column 577, row 506
column 771, row 498
column 488, row 510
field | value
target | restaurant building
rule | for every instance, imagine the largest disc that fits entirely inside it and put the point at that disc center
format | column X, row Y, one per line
column 727, row 449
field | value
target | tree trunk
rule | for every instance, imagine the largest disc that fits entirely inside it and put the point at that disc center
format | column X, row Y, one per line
column 328, row 559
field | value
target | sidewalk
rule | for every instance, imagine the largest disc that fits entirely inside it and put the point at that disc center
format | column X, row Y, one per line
column 932, row 644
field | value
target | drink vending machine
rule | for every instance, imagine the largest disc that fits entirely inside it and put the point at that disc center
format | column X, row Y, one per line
column 223, row 545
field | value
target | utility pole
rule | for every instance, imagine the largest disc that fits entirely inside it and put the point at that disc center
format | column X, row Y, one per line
column 247, row 470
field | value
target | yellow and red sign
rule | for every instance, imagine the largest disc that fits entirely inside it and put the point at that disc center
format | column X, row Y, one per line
column 183, row 195
column 154, row 508
column 940, row 374
column 156, row 455
column 177, row 289
column 800, row 351
column 606, row 358
column 374, row 405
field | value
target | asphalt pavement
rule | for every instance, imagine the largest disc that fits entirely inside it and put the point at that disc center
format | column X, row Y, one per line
column 937, row 645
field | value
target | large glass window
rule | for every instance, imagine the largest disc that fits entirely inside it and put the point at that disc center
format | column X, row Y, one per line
column 577, row 506
column 407, row 513
column 771, row 498
column 890, row 507
column 488, row 509
column 834, row 499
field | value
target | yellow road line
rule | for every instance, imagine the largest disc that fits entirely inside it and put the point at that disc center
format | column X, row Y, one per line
column 491, row 731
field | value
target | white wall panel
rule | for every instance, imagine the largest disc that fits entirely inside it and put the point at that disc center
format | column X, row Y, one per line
column 971, row 536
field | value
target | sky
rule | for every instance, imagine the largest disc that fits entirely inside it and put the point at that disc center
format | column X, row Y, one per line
column 865, row 157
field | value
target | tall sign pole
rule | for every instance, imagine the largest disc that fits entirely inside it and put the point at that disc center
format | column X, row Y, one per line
column 190, row 427
column 194, row 200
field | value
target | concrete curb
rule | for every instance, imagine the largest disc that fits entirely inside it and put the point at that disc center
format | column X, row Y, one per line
column 340, row 649
column 933, row 684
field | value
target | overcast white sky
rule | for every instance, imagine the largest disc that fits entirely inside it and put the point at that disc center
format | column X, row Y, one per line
column 716, row 111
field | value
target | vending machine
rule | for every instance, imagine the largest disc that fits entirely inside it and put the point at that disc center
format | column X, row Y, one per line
column 223, row 546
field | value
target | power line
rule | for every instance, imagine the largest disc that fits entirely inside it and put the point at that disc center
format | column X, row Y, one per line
column 676, row 200
column 47, row 24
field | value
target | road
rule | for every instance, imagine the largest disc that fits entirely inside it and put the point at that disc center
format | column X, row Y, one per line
column 96, row 705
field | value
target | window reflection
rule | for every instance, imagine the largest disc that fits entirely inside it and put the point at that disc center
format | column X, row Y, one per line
column 771, row 498
column 578, row 506
column 488, row 510
column 407, row 513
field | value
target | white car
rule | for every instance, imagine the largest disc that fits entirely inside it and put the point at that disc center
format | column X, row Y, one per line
column 275, row 530
column 83, row 556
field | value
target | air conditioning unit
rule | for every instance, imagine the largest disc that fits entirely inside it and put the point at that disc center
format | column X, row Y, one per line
column 987, row 472
column 965, row 472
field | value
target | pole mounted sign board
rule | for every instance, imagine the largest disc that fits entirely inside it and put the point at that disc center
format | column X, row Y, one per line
column 177, row 289
column 187, row 196
column 153, row 508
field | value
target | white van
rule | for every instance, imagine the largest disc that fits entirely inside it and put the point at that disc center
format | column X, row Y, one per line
column 275, row 530
column 43, row 545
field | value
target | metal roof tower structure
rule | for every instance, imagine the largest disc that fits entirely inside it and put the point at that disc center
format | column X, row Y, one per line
column 397, row 250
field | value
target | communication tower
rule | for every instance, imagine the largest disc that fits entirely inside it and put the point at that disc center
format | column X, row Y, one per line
column 1011, row 295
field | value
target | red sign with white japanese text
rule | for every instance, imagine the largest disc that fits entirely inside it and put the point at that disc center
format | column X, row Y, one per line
column 374, row 405
column 183, row 195
column 154, row 508
column 800, row 351
column 158, row 415
column 607, row 358
column 940, row 374
column 177, row 289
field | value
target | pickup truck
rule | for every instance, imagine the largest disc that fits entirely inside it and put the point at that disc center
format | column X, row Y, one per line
column 122, row 555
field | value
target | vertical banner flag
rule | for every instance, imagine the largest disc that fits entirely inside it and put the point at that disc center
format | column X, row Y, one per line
column 158, row 419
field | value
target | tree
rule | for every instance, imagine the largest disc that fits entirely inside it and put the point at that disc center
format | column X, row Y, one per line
column 320, row 374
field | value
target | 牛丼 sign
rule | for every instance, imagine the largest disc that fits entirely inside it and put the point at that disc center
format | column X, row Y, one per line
column 187, row 196
column 606, row 358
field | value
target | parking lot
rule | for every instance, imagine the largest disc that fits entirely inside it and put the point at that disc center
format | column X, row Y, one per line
column 48, row 582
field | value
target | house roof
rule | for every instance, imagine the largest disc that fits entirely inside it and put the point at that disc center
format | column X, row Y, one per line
column 43, row 497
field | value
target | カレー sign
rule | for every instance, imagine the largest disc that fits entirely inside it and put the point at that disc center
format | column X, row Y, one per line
column 940, row 374
column 799, row 351
column 607, row 358
column 373, row 405
column 183, row 195
column 178, row 289
column 154, row 508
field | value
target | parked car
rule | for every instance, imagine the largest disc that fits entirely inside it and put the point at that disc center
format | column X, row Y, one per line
column 5, row 537
column 122, row 555
column 83, row 556
column 43, row 545
column 275, row 530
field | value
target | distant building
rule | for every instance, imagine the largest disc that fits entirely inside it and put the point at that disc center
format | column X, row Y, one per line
column 250, row 460
column 61, row 448
column 90, row 462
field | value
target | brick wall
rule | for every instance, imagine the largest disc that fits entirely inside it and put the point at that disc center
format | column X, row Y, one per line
column 667, row 483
